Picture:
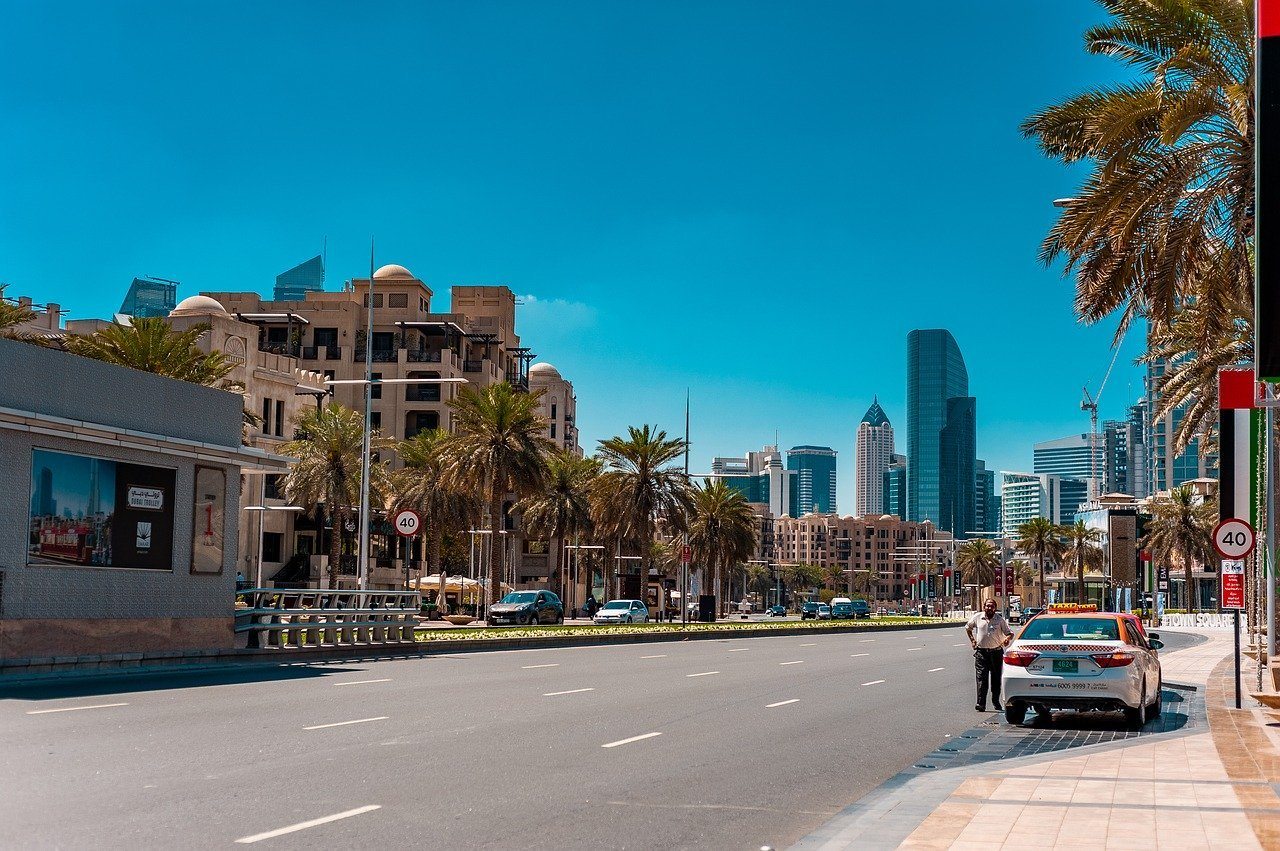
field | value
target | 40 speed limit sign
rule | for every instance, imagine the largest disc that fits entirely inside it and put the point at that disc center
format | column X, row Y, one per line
column 1234, row 538
column 407, row 522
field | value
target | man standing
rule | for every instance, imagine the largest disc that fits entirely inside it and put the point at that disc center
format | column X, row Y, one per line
column 989, row 633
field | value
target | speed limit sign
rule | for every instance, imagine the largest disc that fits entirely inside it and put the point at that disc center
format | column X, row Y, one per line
column 407, row 522
column 1234, row 538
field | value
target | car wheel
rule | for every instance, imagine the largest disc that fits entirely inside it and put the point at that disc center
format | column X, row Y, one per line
column 1015, row 711
column 559, row 618
column 530, row 619
column 1135, row 717
column 1157, row 705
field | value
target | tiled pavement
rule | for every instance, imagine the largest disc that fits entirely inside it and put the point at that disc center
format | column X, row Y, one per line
column 1082, row 783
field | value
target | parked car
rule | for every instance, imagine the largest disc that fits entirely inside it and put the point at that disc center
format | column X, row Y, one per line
column 862, row 610
column 622, row 611
column 809, row 610
column 1086, row 661
column 527, row 607
column 777, row 611
column 824, row 612
column 842, row 611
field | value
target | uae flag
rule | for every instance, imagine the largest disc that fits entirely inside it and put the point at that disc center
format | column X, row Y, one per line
column 1237, row 436
column 1267, row 192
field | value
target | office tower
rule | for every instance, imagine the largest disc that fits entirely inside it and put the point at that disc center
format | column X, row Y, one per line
column 1078, row 456
column 941, row 433
column 307, row 277
column 1166, row 471
column 894, row 487
column 874, row 451
column 986, row 500
column 149, row 297
column 760, row 478
column 1139, row 428
column 815, row 468
column 1025, row 496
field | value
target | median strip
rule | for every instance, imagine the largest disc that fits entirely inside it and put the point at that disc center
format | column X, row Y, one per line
column 345, row 723
column 75, row 708
column 294, row 828
column 630, row 740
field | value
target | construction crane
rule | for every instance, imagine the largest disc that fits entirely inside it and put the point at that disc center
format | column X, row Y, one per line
column 1090, row 404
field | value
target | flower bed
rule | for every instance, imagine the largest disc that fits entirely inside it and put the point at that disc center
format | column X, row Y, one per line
column 434, row 634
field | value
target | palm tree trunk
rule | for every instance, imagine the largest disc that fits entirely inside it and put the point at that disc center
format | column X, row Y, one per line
column 435, row 543
column 335, row 547
column 1192, row 596
column 1040, row 564
column 497, row 564
column 1080, row 595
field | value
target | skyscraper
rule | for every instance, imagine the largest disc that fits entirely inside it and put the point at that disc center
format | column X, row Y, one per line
column 815, row 468
column 941, row 433
column 1081, row 457
column 150, row 297
column 895, row 487
column 307, row 277
column 874, row 451
column 986, row 500
column 760, row 478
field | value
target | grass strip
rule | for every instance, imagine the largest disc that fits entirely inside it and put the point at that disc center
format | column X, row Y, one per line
column 472, row 634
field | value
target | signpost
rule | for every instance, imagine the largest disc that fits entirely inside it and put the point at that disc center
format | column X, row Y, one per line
column 408, row 524
column 1234, row 539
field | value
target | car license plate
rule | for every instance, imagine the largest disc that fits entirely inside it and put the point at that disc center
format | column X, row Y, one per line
column 1066, row 666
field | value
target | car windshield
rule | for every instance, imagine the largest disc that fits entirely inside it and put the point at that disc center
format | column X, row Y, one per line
column 520, row 597
column 1077, row 629
column 618, row 604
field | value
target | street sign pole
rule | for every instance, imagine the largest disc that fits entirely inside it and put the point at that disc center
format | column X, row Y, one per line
column 1231, row 593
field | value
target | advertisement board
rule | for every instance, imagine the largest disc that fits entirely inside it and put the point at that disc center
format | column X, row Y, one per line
column 207, row 520
column 101, row 513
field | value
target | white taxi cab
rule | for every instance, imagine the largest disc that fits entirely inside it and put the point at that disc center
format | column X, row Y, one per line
column 1082, row 659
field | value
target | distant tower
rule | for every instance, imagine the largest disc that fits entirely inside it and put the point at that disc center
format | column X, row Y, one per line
column 815, row 468
column 307, row 277
column 941, row 433
column 150, row 297
column 874, row 455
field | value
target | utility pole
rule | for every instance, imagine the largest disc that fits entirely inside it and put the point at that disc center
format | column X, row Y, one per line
column 363, row 548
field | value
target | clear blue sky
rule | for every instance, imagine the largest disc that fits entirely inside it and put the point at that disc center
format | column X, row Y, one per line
column 756, row 201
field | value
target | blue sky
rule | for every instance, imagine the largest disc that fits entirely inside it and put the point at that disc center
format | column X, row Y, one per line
column 756, row 201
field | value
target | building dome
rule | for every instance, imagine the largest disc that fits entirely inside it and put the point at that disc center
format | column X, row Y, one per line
column 545, row 371
column 886, row 517
column 196, row 305
column 391, row 270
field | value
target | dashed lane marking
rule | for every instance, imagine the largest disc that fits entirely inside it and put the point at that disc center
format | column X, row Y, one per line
column 363, row 682
column 738, row 649
column 856, row 655
column 782, row 703
column 570, row 691
column 935, row 670
column 873, row 683
column 630, row 740
column 316, row 822
column 345, row 723
column 548, row 665
column 797, row 662
column 703, row 674
column 659, row 656
column 808, row 645
column 75, row 708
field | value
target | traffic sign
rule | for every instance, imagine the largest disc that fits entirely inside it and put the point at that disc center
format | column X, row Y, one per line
column 1234, row 538
column 1232, row 584
column 407, row 522
column 686, row 554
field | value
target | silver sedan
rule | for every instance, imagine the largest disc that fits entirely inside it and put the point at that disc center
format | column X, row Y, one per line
column 622, row 611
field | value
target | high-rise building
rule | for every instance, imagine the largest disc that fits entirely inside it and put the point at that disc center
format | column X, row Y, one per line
column 986, row 500
column 874, row 451
column 941, row 433
column 761, row 479
column 1024, row 496
column 307, row 277
column 1122, row 445
column 1139, row 463
column 148, row 297
column 1165, row 470
column 894, row 487
column 815, row 468
column 1078, row 456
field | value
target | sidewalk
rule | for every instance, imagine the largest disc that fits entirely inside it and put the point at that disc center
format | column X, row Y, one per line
column 1201, row 781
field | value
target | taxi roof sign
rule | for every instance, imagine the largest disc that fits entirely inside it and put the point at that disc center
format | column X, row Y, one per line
column 1073, row 607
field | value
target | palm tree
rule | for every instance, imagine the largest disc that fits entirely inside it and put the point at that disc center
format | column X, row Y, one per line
column 1039, row 539
column 563, row 506
column 328, row 452
column 979, row 559
column 150, row 344
column 759, row 580
column 1083, row 551
column 498, row 446
column 422, row 486
column 722, row 529
column 1181, row 530
column 641, row 486
column 833, row 574
column 797, row 576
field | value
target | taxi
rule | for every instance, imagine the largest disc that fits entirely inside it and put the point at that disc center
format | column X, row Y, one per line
column 1075, row 657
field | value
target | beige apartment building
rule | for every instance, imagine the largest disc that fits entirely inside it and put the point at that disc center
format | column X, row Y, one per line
column 889, row 548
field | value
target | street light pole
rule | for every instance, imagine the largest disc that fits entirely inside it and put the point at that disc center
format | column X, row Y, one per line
column 363, row 549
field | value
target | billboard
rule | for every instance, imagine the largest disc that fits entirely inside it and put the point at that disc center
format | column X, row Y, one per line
column 101, row 513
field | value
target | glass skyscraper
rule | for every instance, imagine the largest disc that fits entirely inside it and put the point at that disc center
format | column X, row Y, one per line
column 815, row 468
column 941, row 434
column 307, row 277
column 150, row 297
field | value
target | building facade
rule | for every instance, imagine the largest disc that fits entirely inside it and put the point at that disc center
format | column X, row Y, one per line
column 761, row 478
column 873, row 455
column 1077, row 456
column 558, row 406
column 815, row 482
column 986, row 500
column 895, row 487
column 1165, row 470
column 1025, row 496
column 294, row 284
column 150, row 297
column 941, row 433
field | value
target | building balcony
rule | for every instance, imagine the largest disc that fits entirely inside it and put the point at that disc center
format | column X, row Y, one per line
column 422, row 356
column 473, row 366
column 379, row 355
column 518, row 381
column 422, row 393
column 290, row 350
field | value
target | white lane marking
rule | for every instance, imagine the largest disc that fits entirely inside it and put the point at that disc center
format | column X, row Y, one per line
column 808, row 645
column 703, row 674
column 75, row 708
column 865, row 640
column 549, row 665
column 797, row 662
column 570, row 691
column 909, row 649
column 873, row 683
column 856, row 655
column 739, row 649
column 362, row 682
column 659, row 656
column 782, row 703
column 345, row 723
column 934, row 670
column 630, row 740
column 961, row 644
column 303, row 825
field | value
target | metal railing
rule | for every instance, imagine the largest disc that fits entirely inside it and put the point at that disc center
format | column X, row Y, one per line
column 285, row 619
column 472, row 365
column 423, row 356
column 333, row 353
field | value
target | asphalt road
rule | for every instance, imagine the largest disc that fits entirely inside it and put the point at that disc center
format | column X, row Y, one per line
column 717, row 744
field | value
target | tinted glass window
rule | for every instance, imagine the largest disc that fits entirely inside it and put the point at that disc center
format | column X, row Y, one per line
column 1049, row 628
column 520, row 597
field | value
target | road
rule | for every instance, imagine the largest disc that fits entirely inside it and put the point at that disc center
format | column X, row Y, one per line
column 723, row 744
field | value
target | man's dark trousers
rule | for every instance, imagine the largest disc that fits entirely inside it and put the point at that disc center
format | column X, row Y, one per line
column 988, row 665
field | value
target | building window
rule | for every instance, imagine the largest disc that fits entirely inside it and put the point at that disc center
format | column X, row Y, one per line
column 271, row 487
column 266, row 416
column 279, row 418
column 272, row 546
column 375, row 420
column 553, row 413
column 553, row 430
column 375, row 390
column 397, row 299
column 326, row 337
column 422, row 305
column 377, row 300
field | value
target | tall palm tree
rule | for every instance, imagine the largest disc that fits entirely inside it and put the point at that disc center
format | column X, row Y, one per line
column 1182, row 530
column 1039, row 538
column 722, row 529
column 328, row 452
column 801, row 575
column 150, row 344
column 499, row 447
column 641, row 486
column 422, row 485
column 562, row 508
column 1083, row 551
column 758, row 579
column 979, row 559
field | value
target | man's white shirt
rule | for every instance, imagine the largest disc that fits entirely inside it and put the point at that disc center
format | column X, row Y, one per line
column 989, row 632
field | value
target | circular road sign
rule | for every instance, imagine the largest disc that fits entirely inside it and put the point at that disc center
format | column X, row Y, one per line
column 407, row 522
column 1234, row 538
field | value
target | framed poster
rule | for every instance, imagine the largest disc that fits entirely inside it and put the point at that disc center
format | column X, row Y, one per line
column 208, row 520
column 97, row 512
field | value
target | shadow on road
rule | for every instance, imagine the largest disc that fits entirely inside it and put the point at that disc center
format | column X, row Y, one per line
column 130, row 682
